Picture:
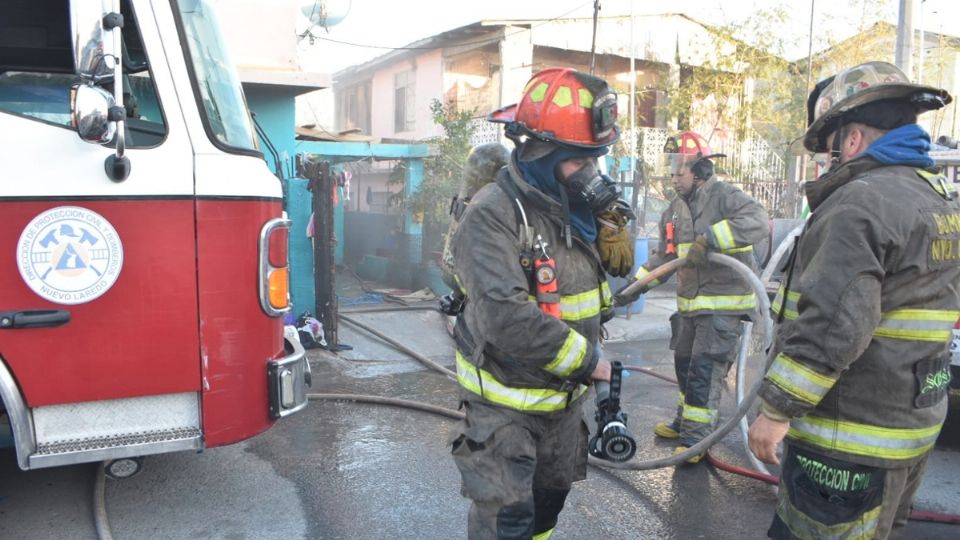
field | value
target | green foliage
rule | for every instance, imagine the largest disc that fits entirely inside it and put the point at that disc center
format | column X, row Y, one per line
column 751, row 85
column 443, row 169
column 744, row 85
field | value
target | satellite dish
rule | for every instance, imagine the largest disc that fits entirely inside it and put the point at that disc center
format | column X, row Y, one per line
column 326, row 13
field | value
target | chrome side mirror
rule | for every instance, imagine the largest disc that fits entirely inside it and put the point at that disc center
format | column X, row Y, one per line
column 93, row 46
column 90, row 113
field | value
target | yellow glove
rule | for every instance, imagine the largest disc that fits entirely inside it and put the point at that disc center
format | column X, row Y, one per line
column 697, row 256
column 613, row 243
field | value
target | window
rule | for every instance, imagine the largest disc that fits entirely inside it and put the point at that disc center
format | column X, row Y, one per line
column 36, row 70
column 216, row 81
column 404, row 104
column 353, row 108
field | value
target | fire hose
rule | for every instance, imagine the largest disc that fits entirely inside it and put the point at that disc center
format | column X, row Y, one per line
column 744, row 401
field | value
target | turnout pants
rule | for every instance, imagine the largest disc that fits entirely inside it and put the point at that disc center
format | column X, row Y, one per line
column 704, row 348
column 828, row 499
column 518, row 468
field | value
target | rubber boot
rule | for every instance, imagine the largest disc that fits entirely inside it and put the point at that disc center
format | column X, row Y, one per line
column 666, row 431
column 691, row 460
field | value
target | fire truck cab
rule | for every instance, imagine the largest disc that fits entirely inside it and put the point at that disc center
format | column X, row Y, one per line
column 143, row 253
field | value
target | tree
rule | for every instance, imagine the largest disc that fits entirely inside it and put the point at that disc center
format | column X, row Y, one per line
column 442, row 170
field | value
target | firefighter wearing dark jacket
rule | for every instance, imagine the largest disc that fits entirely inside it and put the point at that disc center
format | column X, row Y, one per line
column 528, row 338
column 706, row 214
column 866, row 310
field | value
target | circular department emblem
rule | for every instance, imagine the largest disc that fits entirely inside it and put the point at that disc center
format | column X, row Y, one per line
column 69, row 255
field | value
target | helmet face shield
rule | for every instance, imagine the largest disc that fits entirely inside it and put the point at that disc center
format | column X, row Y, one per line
column 671, row 165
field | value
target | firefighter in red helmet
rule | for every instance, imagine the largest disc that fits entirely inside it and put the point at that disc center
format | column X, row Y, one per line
column 706, row 215
column 527, row 342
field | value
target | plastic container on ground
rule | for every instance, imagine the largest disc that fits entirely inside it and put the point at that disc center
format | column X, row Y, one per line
column 640, row 255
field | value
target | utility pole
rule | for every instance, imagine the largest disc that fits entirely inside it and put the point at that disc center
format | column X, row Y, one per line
column 593, row 40
column 904, row 52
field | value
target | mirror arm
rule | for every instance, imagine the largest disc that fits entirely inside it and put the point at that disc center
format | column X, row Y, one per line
column 117, row 166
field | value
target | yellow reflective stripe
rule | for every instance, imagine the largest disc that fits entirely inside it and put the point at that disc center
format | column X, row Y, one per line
column 682, row 400
column 683, row 249
column 539, row 92
column 717, row 303
column 575, row 307
column 571, row 355
column 545, row 534
column 563, row 97
column 643, row 272
column 732, row 251
column 863, row 527
column 863, row 439
column 934, row 325
column 723, row 234
column 606, row 296
column 799, row 380
column 456, row 279
column 938, row 182
column 699, row 414
column 484, row 384
column 586, row 98
column 790, row 308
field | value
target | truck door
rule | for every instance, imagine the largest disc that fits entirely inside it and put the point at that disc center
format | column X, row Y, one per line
column 118, row 258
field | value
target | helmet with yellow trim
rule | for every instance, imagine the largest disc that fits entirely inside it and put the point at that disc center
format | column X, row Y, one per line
column 565, row 107
column 840, row 100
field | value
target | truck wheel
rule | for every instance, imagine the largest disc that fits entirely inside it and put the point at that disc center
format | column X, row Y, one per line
column 121, row 469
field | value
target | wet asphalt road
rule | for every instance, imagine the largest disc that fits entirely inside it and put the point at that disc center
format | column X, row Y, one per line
column 354, row 471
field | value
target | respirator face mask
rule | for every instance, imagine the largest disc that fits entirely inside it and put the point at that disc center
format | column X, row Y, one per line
column 588, row 184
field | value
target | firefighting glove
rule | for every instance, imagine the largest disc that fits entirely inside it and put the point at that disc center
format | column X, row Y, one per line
column 613, row 243
column 697, row 255
column 622, row 298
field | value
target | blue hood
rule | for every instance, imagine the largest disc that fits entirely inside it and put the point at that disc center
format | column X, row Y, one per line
column 539, row 173
column 907, row 145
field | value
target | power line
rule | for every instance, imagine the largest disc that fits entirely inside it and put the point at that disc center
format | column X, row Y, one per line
column 478, row 42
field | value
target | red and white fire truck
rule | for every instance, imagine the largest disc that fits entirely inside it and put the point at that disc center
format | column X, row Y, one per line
column 143, row 251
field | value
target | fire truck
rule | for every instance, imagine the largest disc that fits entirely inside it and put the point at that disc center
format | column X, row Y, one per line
column 143, row 252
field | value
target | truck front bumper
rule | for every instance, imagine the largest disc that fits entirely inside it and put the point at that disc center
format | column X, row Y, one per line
column 288, row 378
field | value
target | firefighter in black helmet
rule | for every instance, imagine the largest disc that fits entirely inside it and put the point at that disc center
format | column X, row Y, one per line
column 867, row 309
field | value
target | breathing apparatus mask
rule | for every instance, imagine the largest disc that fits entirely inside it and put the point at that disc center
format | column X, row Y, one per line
column 591, row 186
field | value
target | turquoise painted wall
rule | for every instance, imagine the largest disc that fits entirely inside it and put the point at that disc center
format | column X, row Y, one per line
column 275, row 111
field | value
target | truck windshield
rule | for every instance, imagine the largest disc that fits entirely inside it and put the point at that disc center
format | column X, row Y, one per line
column 217, row 83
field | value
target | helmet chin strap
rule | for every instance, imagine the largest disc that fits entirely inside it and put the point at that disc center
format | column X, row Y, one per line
column 835, row 147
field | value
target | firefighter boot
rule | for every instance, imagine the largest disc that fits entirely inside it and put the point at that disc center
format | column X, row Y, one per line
column 692, row 460
column 666, row 431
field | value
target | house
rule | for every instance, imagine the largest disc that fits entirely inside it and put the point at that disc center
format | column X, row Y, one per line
column 271, row 79
column 485, row 65
column 940, row 66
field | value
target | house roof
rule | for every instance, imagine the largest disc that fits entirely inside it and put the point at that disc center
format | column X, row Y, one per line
column 491, row 31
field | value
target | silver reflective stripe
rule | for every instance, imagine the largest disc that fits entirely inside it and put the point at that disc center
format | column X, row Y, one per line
column 934, row 325
column 575, row 307
column 717, row 303
column 484, row 384
column 799, row 380
column 803, row 526
column 723, row 234
column 571, row 355
column 699, row 414
column 790, row 307
column 864, row 439
column 643, row 272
